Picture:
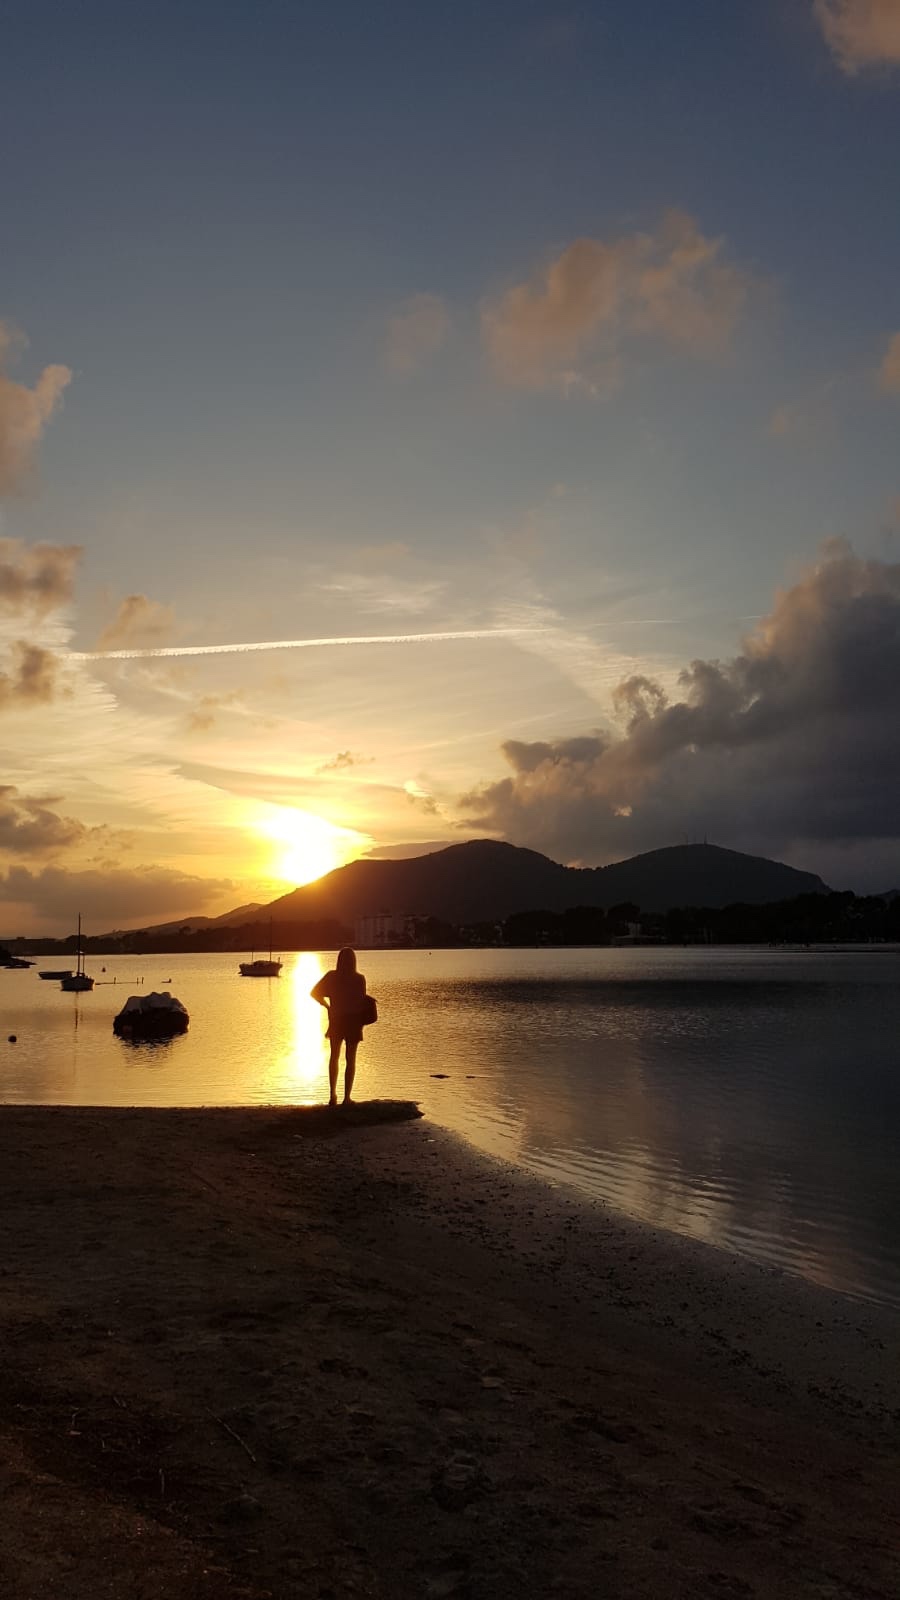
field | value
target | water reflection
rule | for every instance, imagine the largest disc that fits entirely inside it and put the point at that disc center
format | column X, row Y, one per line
column 747, row 1099
column 299, row 1074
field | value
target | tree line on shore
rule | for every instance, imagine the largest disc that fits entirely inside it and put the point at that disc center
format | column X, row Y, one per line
column 835, row 918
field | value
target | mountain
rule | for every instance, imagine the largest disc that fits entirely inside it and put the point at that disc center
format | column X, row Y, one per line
column 485, row 880
column 229, row 919
column 703, row 875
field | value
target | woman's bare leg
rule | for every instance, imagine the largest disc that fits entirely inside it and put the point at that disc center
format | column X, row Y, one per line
column 349, row 1069
column 333, row 1071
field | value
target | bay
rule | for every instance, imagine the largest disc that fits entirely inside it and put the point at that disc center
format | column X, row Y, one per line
column 749, row 1098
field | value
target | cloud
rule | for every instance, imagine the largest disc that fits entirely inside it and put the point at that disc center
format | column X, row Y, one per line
column 794, row 741
column 785, row 422
column 29, row 827
column 138, row 621
column 408, row 596
column 861, row 33
column 889, row 371
column 205, row 714
column 415, row 332
column 406, row 852
column 343, row 760
column 116, row 898
column 32, row 676
column 567, row 327
column 24, row 412
column 421, row 798
column 36, row 579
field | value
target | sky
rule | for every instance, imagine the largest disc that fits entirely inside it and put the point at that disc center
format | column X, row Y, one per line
column 426, row 422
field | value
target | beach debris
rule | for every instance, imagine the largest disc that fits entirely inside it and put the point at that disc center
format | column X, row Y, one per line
column 243, row 1508
column 236, row 1436
column 459, row 1481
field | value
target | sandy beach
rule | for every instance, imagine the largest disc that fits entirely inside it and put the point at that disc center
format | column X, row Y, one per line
column 282, row 1354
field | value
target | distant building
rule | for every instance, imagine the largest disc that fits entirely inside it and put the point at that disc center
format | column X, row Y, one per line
column 636, row 936
column 383, row 930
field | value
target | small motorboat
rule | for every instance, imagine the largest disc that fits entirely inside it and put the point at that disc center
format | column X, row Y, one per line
column 57, row 973
column 151, row 1016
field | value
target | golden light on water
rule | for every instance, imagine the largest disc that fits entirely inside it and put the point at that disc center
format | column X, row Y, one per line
column 306, row 1066
column 306, row 846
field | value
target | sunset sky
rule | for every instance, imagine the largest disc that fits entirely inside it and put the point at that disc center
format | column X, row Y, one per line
column 570, row 333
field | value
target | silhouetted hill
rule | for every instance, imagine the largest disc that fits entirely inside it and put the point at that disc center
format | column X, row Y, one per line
column 229, row 919
column 703, row 875
column 486, row 881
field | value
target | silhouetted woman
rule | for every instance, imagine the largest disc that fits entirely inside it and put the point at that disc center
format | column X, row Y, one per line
column 343, row 992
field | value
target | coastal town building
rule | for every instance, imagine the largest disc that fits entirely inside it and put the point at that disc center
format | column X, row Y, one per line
column 386, row 930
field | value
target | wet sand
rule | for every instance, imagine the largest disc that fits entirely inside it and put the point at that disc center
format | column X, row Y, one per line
column 278, row 1353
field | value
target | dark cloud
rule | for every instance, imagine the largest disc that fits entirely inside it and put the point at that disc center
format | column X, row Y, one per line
column 792, row 744
column 117, row 899
column 31, row 677
column 405, row 852
column 343, row 760
column 206, row 712
column 29, row 827
column 138, row 621
column 37, row 578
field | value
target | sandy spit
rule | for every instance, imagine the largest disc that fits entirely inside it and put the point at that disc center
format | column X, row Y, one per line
column 277, row 1353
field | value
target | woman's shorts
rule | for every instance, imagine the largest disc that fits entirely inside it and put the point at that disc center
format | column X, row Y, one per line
column 349, row 1031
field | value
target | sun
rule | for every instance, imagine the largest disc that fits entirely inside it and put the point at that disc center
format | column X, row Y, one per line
column 307, row 846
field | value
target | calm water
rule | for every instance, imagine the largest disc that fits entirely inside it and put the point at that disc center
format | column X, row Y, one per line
column 747, row 1098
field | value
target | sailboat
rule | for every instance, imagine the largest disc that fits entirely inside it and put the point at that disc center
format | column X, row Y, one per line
column 262, row 968
column 78, row 981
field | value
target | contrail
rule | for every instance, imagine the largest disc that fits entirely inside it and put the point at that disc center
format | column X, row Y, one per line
column 300, row 644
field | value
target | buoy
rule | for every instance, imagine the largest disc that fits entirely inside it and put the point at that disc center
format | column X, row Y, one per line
column 12, row 1038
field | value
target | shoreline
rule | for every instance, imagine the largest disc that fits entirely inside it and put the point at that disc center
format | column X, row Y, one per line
column 297, row 1355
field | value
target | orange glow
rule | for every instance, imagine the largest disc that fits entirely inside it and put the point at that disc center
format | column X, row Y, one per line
column 306, row 846
column 307, row 1063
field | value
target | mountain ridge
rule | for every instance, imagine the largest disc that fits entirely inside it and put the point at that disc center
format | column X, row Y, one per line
column 484, row 880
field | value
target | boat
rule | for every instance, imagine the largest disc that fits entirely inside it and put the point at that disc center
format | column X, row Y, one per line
column 151, row 1016
column 262, row 968
column 17, row 964
column 78, row 981
column 57, row 973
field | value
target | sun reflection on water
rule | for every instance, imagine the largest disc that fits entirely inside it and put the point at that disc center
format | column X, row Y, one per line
column 302, row 1070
